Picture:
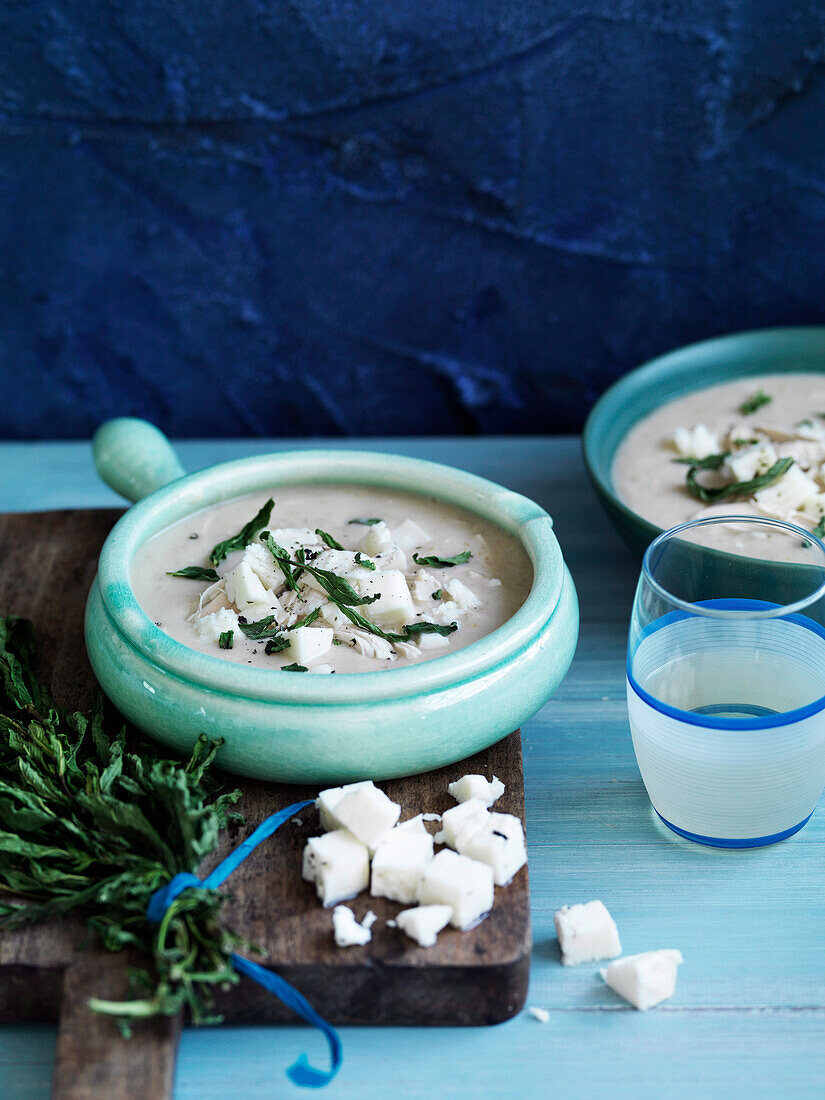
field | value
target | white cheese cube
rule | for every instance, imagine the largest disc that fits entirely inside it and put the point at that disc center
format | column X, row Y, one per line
column 367, row 813
column 644, row 980
column 346, row 929
column 292, row 539
column 210, row 627
column 415, row 824
column 467, row 817
column 377, row 540
column 586, row 933
column 339, row 865
column 309, row 642
column 476, row 786
column 433, row 641
column 243, row 587
column 500, row 845
column 261, row 562
column 395, row 603
column 750, row 463
column 399, row 863
column 463, row 596
column 460, row 882
column 424, row 923
column 423, row 585
column 409, row 536
column 696, row 443
column 786, row 495
column 327, row 801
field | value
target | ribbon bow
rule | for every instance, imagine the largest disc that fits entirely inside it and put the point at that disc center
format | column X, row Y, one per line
column 301, row 1072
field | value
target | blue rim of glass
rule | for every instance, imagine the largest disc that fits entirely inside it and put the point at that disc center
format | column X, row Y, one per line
column 721, row 842
column 696, row 608
column 785, row 718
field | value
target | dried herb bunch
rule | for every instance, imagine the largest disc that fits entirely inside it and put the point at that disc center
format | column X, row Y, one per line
column 93, row 822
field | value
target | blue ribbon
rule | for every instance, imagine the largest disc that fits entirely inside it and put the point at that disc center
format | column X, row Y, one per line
column 301, row 1072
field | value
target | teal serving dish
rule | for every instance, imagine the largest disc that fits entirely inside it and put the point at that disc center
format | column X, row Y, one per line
column 319, row 729
column 765, row 351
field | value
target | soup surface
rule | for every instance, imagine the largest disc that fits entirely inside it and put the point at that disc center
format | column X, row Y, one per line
column 368, row 579
column 758, row 449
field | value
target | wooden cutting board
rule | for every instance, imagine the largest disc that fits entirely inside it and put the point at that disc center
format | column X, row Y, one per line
column 47, row 563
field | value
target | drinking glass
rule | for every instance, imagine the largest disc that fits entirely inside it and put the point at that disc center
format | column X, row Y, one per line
column 726, row 679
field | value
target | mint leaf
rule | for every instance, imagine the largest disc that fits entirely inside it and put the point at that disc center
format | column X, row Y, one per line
column 753, row 403
column 324, row 536
column 437, row 562
column 737, row 488
column 276, row 645
column 244, row 536
column 262, row 628
column 227, row 639
column 294, row 668
column 196, row 573
column 367, row 521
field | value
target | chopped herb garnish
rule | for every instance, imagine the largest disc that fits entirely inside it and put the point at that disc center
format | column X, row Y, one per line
column 196, row 573
column 227, row 639
column 294, row 668
column 819, row 530
column 262, row 628
column 324, row 536
column 282, row 559
column 441, row 563
column 429, row 628
column 744, row 442
column 244, row 536
column 367, row 521
column 753, row 403
column 365, row 562
column 437, row 594
column 337, row 588
column 311, row 617
column 709, row 462
column 737, row 488
column 276, row 645
column 337, row 641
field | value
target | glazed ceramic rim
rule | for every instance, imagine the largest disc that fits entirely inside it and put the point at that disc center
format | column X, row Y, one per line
column 516, row 514
column 639, row 379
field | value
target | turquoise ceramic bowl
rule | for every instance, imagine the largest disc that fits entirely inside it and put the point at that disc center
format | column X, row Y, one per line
column 319, row 729
column 768, row 351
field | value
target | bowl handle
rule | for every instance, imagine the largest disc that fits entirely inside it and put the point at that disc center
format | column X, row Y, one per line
column 134, row 457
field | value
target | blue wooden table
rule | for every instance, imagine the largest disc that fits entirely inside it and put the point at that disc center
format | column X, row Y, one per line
column 748, row 1017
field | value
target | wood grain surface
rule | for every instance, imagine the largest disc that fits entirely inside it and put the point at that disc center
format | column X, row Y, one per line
column 47, row 562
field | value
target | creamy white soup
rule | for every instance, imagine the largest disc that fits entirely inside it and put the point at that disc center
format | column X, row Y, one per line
column 752, row 447
column 331, row 579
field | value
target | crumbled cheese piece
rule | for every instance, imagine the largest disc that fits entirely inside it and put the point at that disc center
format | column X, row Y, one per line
column 327, row 801
column 210, row 627
column 786, row 495
column 500, row 844
column 430, row 817
column 293, row 538
column 476, row 786
column 696, row 443
column 261, row 562
column 460, row 882
column 463, row 596
column 252, row 612
column 414, row 824
column 409, row 536
column 368, row 814
column 644, row 980
column 339, row 865
column 376, row 540
column 309, row 642
column 750, row 463
column 243, row 587
column 465, row 817
column 433, row 641
column 540, row 1014
column 399, row 863
column 340, row 562
column 394, row 604
column 346, row 929
column 424, row 923
column 422, row 586
column 586, row 933
column 445, row 612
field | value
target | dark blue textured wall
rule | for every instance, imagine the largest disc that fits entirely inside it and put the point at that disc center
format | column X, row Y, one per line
column 386, row 216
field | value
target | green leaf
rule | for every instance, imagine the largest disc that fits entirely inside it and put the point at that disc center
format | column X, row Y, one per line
column 276, row 645
column 437, row 562
column 311, row 617
column 365, row 563
column 709, row 462
column 437, row 594
column 324, row 536
column 338, row 588
column 196, row 573
column 367, row 521
column 737, row 488
column 294, row 668
column 429, row 628
column 282, row 561
column 753, row 403
column 244, row 536
column 261, row 628
column 227, row 639
column 819, row 530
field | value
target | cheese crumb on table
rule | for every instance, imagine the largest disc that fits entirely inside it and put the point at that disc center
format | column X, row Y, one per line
column 586, row 933
column 644, row 980
column 540, row 1014
column 347, row 930
column 424, row 923
column 476, row 786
